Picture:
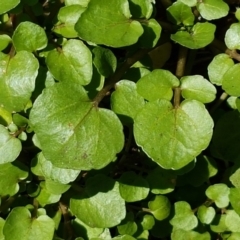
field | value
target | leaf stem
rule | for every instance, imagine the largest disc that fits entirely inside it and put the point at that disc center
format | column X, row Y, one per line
column 119, row 73
column 221, row 99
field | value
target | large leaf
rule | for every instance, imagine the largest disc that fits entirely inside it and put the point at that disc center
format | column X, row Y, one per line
column 67, row 65
column 109, row 23
column 17, row 79
column 212, row 9
column 21, row 226
column 101, row 204
column 8, row 5
column 198, row 37
column 173, row 137
column 30, row 37
column 77, row 135
column 10, row 146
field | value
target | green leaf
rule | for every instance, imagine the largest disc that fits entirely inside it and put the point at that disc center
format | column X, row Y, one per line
column 161, row 181
column 5, row 117
column 133, row 187
column 184, row 217
column 218, row 67
column 101, row 204
column 109, row 25
column 83, row 3
column 140, row 8
column 8, row 5
column 160, row 207
column 158, row 84
column 234, row 236
column 67, row 18
column 78, row 135
column 177, row 132
column 56, row 188
column 127, row 226
column 232, row 221
column 212, row 9
column 190, row 3
column 104, row 60
column 179, row 13
column 206, row 214
column 232, row 35
column 10, row 175
column 219, row 224
column 235, row 179
column 4, row 41
column 30, row 37
column 151, row 34
column 180, row 234
column 198, row 37
column 19, row 225
column 124, row 237
column 219, row 194
column 125, row 101
column 198, row 88
column 147, row 221
column 2, row 222
column 66, row 65
column 49, row 171
column 234, row 199
column 21, row 70
column 230, row 81
column 10, row 146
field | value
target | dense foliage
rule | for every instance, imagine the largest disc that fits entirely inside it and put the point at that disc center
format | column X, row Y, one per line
column 119, row 119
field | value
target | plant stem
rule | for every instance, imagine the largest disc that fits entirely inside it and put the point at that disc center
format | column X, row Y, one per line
column 119, row 73
column 221, row 99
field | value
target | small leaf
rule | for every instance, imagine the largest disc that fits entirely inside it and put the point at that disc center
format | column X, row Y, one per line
column 190, row 3
column 212, row 9
column 180, row 234
column 133, row 187
column 232, row 221
column 104, row 60
column 56, row 188
column 8, row 5
column 78, row 134
column 4, row 41
column 5, row 117
column 184, row 217
column 10, row 175
column 218, row 67
column 126, row 102
column 234, row 197
column 147, row 221
column 198, row 37
column 140, row 8
column 21, row 70
column 219, row 224
column 19, row 225
column 109, row 25
column 177, row 132
column 10, row 146
column 66, row 65
column 179, row 13
column 158, row 84
column 101, row 204
column 198, row 88
column 206, row 214
column 29, row 36
column 235, row 179
column 67, row 18
column 127, row 226
column 160, row 207
column 219, row 194
column 232, row 35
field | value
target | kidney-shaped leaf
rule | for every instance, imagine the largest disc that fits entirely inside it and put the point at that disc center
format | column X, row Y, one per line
column 206, row 214
column 19, row 225
column 158, row 84
column 17, row 79
column 173, row 137
column 100, row 205
column 73, row 63
column 198, row 88
column 10, row 147
column 8, row 5
column 109, row 23
column 77, row 135
column 30, row 37
column 232, row 36
column 200, row 36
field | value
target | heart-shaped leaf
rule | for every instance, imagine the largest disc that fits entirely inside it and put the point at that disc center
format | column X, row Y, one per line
column 78, row 134
column 108, row 24
column 21, row 70
column 206, row 214
column 173, row 137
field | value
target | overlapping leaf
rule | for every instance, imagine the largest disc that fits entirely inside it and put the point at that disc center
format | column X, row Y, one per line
column 180, row 133
column 109, row 23
column 232, row 36
column 17, row 79
column 77, row 135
